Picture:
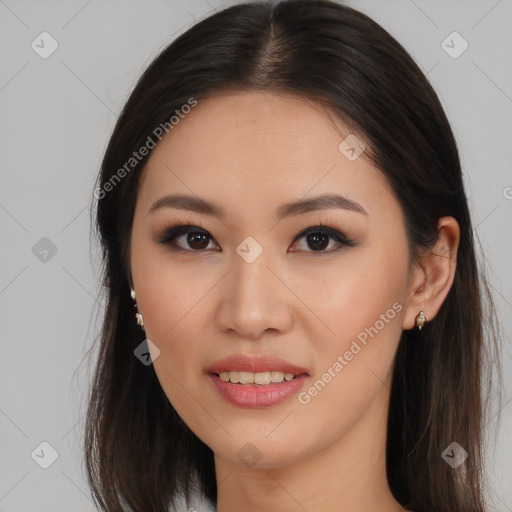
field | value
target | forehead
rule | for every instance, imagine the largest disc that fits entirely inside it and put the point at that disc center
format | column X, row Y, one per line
column 259, row 147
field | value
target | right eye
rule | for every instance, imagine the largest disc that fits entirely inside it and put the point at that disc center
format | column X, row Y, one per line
column 195, row 237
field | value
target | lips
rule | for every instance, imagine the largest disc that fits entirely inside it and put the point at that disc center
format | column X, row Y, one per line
column 258, row 363
column 258, row 380
column 257, row 396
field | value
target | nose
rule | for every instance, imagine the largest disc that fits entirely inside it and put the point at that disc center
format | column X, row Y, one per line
column 255, row 299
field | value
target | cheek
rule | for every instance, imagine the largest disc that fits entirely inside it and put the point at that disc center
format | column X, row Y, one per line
column 362, row 304
column 175, row 307
column 169, row 299
column 175, row 318
column 364, row 295
column 354, row 364
column 167, row 291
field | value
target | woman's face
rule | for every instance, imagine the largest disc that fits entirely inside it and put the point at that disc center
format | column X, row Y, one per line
column 241, row 284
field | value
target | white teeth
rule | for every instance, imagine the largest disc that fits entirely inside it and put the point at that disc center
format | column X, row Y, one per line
column 246, row 377
column 277, row 376
column 261, row 378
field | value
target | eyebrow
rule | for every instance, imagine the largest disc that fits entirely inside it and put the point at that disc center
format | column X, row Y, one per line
column 322, row 202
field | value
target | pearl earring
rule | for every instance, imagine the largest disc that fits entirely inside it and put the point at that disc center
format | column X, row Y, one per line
column 420, row 320
column 138, row 316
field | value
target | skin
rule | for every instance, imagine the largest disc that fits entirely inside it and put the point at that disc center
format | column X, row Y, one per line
column 250, row 152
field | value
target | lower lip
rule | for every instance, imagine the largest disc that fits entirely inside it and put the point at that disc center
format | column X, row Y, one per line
column 252, row 395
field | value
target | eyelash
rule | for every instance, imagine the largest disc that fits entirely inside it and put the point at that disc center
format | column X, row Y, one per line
column 178, row 228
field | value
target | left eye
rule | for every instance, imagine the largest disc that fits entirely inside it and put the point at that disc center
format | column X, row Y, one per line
column 317, row 238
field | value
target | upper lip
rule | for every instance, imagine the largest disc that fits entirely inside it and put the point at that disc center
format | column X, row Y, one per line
column 254, row 363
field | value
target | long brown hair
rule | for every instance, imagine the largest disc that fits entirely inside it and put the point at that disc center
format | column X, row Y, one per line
column 138, row 450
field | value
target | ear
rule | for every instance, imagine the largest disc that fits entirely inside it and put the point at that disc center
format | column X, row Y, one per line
column 432, row 276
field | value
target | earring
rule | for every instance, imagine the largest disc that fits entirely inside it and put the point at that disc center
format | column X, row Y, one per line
column 140, row 321
column 420, row 320
column 138, row 316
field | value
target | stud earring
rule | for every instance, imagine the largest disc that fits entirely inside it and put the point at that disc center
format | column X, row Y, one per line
column 420, row 320
column 138, row 316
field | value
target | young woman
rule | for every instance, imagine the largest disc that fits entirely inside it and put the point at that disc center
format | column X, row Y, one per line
column 294, row 317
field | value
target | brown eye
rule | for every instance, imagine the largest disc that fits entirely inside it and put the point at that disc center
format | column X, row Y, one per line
column 318, row 239
column 197, row 240
column 194, row 239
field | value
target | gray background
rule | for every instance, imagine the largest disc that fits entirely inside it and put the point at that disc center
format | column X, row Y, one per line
column 57, row 114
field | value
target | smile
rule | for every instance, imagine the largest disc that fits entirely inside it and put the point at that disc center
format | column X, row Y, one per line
column 250, row 394
column 259, row 378
column 256, row 380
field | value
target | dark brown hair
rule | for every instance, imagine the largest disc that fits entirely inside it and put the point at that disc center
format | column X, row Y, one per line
column 138, row 450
